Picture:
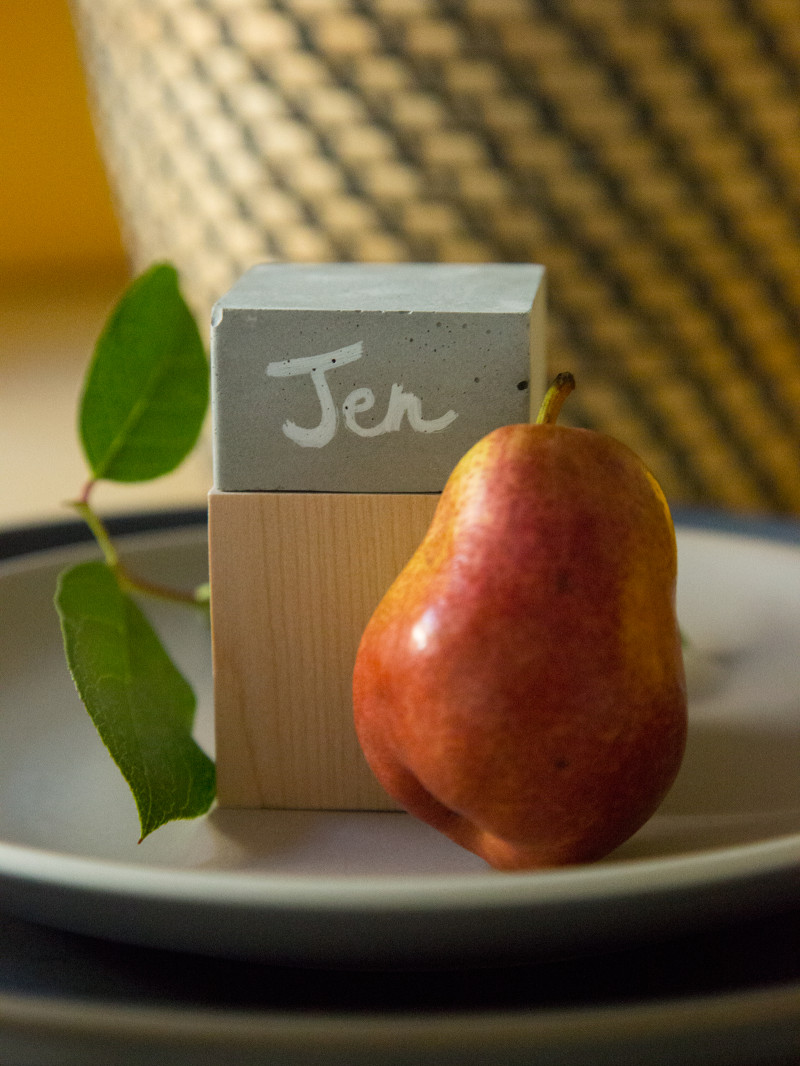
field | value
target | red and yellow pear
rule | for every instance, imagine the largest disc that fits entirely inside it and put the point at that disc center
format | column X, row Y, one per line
column 521, row 686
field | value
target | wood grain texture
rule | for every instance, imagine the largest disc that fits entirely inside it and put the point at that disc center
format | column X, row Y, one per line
column 294, row 580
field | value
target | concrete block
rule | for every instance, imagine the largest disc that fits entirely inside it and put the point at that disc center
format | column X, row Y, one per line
column 370, row 377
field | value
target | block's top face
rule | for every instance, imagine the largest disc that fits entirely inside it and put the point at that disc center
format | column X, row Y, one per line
column 370, row 378
column 497, row 288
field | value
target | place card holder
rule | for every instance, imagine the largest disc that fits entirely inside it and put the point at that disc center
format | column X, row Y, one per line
column 342, row 397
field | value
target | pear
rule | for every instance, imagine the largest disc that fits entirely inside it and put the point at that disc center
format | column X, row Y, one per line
column 521, row 685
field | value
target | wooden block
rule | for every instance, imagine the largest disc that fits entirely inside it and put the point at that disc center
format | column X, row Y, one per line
column 294, row 578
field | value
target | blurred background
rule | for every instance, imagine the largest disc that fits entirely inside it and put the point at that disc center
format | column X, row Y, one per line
column 56, row 213
column 62, row 266
column 647, row 152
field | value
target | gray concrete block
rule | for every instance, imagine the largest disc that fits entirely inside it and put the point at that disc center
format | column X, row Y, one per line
column 354, row 377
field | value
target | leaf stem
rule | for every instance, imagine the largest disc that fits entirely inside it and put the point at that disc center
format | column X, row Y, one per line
column 87, row 489
column 99, row 531
column 196, row 598
column 130, row 582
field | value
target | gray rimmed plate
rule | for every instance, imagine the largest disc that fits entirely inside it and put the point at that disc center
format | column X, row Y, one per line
column 380, row 889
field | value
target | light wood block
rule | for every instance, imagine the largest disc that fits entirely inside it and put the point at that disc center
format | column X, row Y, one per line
column 295, row 577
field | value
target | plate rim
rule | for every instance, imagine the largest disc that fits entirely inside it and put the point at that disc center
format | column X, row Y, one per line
column 533, row 1029
column 735, row 865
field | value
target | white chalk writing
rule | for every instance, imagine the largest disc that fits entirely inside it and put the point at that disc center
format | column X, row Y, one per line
column 358, row 402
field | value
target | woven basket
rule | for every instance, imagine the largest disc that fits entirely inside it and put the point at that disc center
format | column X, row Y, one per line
column 648, row 153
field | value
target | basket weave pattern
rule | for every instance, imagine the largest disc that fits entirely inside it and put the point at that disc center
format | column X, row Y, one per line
column 646, row 151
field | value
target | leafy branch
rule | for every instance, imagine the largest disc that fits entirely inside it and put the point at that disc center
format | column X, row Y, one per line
column 144, row 401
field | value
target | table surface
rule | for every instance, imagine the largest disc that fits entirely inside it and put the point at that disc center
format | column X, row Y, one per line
column 49, row 978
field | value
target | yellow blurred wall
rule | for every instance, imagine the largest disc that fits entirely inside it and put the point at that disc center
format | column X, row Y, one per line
column 55, row 208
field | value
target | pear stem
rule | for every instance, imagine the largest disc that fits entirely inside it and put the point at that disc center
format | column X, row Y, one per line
column 554, row 399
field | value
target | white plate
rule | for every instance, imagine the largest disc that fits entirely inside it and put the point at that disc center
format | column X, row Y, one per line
column 382, row 889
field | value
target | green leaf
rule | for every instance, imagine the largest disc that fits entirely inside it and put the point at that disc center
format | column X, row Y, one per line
column 142, row 706
column 146, row 390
